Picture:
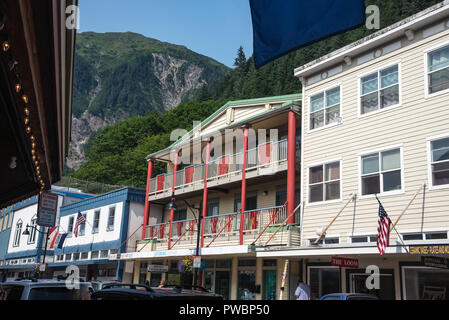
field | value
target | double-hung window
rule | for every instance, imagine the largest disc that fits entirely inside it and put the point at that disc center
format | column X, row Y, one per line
column 438, row 70
column 70, row 227
column 96, row 226
column 111, row 218
column 379, row 90
column 325, row 108
column 18, row 233
column 381, row 172
column 32, row 236
column 440, row 162
column 324, row 182
column 82, row 227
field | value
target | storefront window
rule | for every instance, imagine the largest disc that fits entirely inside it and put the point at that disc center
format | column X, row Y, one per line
column 143, row 273
column 246, row 285
column 357, row 283
column 323, row 280
column 425, row 283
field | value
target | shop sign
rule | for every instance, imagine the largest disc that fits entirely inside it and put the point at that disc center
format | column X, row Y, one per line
column 438, row 249
column 435, row 262
column 157, row 268
column 197, row 262
column 47, row 208
column 345, row 262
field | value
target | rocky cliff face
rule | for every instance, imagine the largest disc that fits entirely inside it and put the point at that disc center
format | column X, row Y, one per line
column 120, row 75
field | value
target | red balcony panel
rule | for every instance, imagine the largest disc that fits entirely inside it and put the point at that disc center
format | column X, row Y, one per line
column 188, row 172
column 160, row 182
column 265, row 154
column 224, row 165
column 179, row 228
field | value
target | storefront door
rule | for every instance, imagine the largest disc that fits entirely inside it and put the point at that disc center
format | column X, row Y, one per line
column 323, row 280
column 223, row 283
column 269, row 285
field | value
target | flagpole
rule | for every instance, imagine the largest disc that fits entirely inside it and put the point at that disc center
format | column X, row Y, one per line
column 394, row 228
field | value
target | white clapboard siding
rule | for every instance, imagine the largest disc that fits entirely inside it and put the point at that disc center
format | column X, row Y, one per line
column 408, row 125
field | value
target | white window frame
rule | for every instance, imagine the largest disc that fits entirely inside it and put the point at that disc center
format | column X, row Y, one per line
column 381, row 193
column 97, row 228
column 310, row 204
column 338, row 85
column 360, row 235
column 70, row 229
column 108, row 226
column 378, row 70
column 33, row 231
column 18, row 233
column 83, row 226
column 426, row 52
column 429, row 161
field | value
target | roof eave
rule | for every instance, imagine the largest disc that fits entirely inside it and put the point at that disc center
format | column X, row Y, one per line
column 389, row 33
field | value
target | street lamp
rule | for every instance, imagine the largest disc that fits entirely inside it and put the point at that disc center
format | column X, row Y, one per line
column 27, row 233
column 199, row 219
column 172, row 206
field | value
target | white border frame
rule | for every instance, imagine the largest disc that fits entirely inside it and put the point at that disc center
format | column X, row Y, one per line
column 309, row 98
column 380, row 150
column 426, row 52
column 429, row 162
column 378, row 69
column 322, row 163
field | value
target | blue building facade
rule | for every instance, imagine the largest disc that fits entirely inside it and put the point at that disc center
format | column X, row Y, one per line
column 110, row 219
column 18, row 252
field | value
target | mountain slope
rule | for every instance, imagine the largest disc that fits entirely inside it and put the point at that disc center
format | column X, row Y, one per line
column 120, row 75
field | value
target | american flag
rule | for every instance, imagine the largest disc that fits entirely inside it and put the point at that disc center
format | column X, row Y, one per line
column 79, row 221
column 383, row 230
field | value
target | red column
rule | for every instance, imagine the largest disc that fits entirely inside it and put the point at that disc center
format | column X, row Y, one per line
column 204, row 213
column 146, row 214
column 291, row 169
column 172, row 212
column 243, row 199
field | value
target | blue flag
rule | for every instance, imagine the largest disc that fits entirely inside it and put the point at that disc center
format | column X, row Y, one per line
column 283, row 26
column 61, row 241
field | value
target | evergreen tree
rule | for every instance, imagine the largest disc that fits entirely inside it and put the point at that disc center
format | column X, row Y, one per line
column 240, row 61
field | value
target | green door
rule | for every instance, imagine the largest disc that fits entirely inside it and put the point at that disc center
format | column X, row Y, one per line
column 269, row 285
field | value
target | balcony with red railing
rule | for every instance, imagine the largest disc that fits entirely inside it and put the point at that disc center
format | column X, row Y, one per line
column 266, row 159
column 259, row 227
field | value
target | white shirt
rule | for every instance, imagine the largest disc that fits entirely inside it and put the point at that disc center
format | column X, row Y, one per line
column 302, row 292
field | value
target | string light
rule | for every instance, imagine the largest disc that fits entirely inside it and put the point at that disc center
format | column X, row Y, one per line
column 5, row 47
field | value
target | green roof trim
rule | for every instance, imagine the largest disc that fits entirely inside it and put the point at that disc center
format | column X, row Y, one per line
column 242, row 103
column 290, row 97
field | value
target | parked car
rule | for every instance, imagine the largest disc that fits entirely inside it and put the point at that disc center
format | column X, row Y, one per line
column 349, row 296
column 120, row 291
column 44, row 290
column 185, row 287
column 98, row 285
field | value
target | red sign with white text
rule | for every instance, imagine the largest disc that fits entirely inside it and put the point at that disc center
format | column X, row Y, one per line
column 345, row 262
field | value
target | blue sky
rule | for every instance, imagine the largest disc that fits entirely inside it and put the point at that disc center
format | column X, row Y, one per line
column 215, row 28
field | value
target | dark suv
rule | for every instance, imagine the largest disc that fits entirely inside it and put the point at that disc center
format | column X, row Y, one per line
column 143, row 292
column 44, row 290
